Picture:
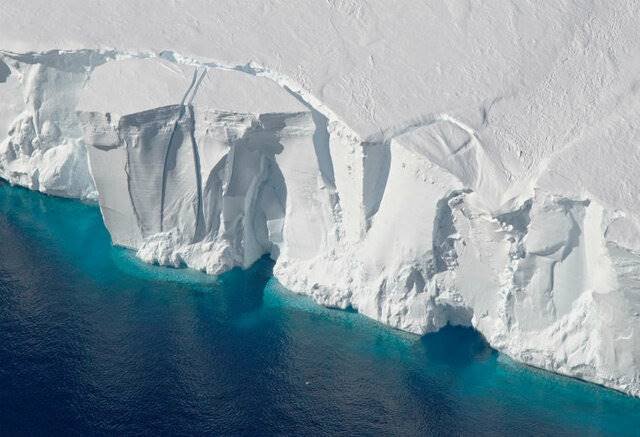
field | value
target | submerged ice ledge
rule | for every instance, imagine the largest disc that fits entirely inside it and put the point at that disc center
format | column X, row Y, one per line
column 211, row 166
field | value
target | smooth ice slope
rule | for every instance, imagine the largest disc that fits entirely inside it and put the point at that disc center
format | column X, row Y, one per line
column 470, row 163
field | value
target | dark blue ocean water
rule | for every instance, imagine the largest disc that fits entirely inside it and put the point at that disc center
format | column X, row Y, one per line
column 94, row 342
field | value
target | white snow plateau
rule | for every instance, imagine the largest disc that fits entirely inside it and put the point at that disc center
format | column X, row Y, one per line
column 423, row 162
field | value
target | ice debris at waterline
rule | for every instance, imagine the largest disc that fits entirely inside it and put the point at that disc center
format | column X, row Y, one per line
column 483, row 174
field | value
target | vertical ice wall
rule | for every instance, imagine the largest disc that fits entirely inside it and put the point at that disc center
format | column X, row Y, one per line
column 40, row 144
column 416, row 227
column 205, row 176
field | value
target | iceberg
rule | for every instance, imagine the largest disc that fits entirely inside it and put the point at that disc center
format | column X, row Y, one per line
column 481, row 176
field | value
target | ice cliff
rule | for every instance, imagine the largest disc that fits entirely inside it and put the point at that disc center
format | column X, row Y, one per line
column 517, row 214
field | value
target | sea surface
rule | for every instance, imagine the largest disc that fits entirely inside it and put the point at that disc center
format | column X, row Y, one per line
column 93, row 341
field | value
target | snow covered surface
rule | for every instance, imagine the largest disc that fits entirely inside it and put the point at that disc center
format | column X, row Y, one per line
column 425, row 163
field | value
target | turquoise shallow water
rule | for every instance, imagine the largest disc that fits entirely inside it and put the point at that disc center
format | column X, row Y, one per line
column 94, row 342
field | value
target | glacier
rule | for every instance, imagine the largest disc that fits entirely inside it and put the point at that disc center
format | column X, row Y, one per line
column 497, row 190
